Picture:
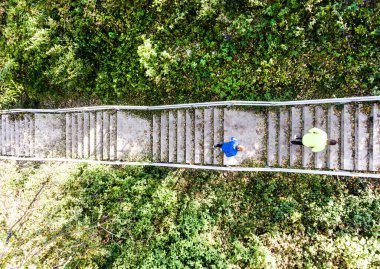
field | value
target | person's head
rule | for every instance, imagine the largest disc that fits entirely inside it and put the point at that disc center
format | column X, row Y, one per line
column 331, row 142
column 240, row 148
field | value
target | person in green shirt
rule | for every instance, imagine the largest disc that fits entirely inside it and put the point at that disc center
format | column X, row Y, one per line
column 316, row 139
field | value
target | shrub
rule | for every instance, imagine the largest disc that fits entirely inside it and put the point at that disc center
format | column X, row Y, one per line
column 80, row 216
column 181, row 51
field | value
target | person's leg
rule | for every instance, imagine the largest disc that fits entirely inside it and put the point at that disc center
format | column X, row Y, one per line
column 297, row 141
column 218, row 145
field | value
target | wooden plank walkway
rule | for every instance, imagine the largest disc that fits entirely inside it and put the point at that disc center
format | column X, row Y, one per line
column 186, row 135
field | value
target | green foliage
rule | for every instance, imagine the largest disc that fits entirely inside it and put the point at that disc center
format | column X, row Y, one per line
column 78, row 52
column 104, row 217
column 68, row 53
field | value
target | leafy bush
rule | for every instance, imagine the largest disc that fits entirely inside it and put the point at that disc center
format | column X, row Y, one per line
column 83, row 216
column 180, row 51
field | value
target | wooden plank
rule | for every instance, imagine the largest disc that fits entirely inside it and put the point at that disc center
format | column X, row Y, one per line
column 74, row 135
column 334, row 131
column 208, row 137
column 99, row 135
column 181, row 137
column 86, row 135
column 8, row 135
column 284, row 138
column 80, row 135
column 113, row 136
column 308, row 123
column 22, row 135
column 198, row 136
column 68, row 135
column 164, row 137
column 2, row 127
column 296, row 129
column 92, row 135
column 27, row 137
column 12, row 139
column 134, row 140
column 16, row 144
column 32, row 133
column 348, row 133
column 189, row 136
column 106, row 135
column 249, row 128
column 272, row 143
column 362, row 139
column 50, row 135
column 172, row 136
column 321, row 123
column 3, row 134
column 218, row 135
column 156, row 138
column 375, row 160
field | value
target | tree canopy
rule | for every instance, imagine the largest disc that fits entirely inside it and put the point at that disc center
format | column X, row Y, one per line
column 65, row 53
column 80, row 216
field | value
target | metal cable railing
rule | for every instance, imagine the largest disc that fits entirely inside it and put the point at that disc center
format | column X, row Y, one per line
column 190, row 166
column 199, row 105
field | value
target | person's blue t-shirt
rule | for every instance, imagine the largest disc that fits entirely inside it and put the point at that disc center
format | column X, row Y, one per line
column 230, row 148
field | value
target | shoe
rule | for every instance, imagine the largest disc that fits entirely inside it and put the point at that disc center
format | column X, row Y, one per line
column 296, row 137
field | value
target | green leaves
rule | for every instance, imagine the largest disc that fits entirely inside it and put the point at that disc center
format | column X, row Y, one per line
column 133, row 217
column 185, row 51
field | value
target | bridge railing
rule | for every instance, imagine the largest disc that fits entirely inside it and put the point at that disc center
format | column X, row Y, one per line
column 199, row 105
column 202, row 167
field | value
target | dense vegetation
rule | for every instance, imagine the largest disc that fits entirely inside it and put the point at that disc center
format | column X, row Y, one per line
column 55, row 52
column 104, row 217
column 68, row 53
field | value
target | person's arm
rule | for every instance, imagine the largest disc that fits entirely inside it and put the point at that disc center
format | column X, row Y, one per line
column 235, row 142
column 315, row 131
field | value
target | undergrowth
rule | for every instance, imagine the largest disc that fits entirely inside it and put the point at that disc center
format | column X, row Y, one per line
column 135, row 217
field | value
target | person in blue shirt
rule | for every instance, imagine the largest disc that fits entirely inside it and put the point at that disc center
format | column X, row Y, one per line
column 230, row 148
